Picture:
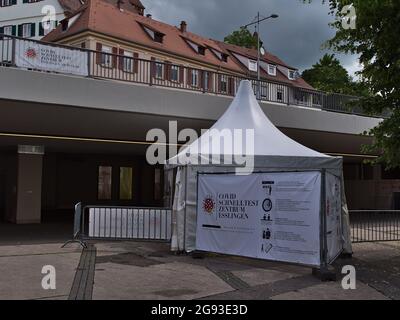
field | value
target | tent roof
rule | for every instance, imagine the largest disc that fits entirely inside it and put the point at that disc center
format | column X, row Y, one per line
column 245, row 113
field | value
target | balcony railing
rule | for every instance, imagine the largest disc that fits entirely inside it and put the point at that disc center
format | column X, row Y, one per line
column 51, row 57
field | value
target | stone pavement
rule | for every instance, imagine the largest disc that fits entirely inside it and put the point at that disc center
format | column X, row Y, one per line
column 21, row 267
column 148, row 270
column 134, row 270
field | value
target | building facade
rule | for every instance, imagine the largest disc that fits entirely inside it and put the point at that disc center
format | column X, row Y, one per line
column 83, row 138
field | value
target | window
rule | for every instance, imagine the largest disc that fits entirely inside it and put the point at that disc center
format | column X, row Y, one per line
column 128, row 62
column 125, row 183
column 253, row 65
column 300, row 96
column 8, row 30
column 46, row 27
column 207, row 78
column 195, row 78
column 202, row 50
column 31, row 1
column 106, row 58
column 26, row 30
column 292, row 75
column 104, row 183
column 157, row 184
column 271, row 70
column 7, row 3
column 159, row 71
column 158, row 37
column 224, row 57
column 174, row 73
column 279, row 94
column 224, row 83
column 155, row 35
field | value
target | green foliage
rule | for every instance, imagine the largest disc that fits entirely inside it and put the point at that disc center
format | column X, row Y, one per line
column 376, row 39
column 328, row 75
column 242, row 38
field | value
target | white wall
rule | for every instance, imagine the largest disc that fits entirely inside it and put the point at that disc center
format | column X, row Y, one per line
column 28, row 13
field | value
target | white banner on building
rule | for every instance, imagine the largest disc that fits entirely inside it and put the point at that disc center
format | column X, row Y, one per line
column 33, row 55
column 272, row 216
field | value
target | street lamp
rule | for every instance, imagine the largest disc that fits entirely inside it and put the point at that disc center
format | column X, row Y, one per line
column 259, row 19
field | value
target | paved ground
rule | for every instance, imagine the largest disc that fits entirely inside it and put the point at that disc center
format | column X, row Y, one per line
column 21, row 270
column 144, row 270
column 130, row 270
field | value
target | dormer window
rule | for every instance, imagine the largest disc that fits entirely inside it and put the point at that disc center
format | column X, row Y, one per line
column 154, row 34
column 221, row 56
column 292, row 74
column 198, row 48
column 272, row 70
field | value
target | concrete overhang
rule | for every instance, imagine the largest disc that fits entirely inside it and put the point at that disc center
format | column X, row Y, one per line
column 60, row 105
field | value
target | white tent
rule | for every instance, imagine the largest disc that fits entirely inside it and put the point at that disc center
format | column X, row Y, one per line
column 271, row 150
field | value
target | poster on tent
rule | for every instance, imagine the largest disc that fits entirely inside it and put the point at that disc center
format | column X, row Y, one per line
column 333, row 209
column 273, row 216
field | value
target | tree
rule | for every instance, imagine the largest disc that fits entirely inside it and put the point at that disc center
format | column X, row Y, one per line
column 242, row 38
column 328, row 75
column 376, row 40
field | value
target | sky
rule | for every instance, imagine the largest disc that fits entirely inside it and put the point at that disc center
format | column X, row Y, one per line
column 296, row 36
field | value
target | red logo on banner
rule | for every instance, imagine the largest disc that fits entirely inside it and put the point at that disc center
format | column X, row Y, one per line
column 30, row 53
column 208, row 205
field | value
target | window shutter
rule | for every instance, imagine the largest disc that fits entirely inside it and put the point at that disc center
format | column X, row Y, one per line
column 231, row 86
column 136, row 62
column 114, row 57
column 121, row 59
column 14, row 30
column 41, row 29
column 98, row 54
column 33, row 29
column 210, row 81
column 189, row 76
column 181, row 74
column 219, row 83
column 20, row 30
column 153, row 67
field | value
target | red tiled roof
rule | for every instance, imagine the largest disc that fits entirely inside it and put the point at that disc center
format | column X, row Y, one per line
column 105, row 18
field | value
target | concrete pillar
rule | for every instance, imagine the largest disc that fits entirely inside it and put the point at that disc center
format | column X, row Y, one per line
column 29, row 185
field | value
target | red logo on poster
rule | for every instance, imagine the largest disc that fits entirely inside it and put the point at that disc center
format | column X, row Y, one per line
column 30, row 53
column 208, row 205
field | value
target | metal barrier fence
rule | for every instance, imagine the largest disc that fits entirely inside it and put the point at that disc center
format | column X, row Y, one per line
column 375, row 225
column 114, row 66
column 121, row 223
